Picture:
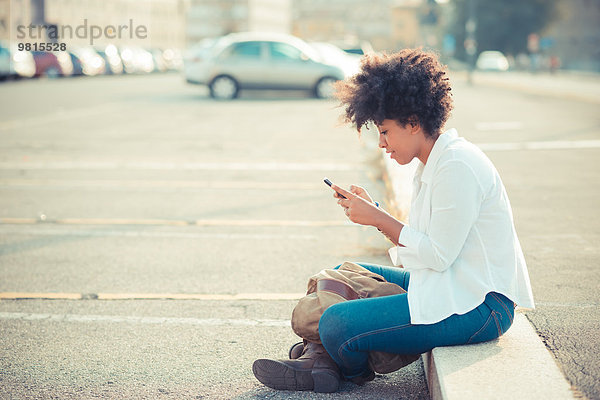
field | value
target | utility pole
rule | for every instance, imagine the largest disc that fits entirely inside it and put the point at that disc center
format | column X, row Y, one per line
column 38, row 12
column 470, row 40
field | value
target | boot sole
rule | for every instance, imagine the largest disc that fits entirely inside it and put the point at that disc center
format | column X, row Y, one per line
column 280, row 376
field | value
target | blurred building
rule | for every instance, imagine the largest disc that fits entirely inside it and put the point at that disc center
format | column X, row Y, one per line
column 386, row 24
column 213, row 18
column 575, row 36
column 13, row 12
column 349, row 21
column 405, row 24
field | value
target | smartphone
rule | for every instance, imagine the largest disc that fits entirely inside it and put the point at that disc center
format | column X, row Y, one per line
column 328, row 182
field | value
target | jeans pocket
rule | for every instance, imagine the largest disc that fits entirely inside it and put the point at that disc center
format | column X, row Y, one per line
column 490, row 330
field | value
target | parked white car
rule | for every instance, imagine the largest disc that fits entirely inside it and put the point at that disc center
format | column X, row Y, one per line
column 333, row 55
column 91, row 61
column 260, row 61
column 15, row 63
column 137, row 60
column 492, row 61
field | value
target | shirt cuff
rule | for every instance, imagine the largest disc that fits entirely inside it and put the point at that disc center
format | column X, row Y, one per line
column 410, row 237
column 407, row 255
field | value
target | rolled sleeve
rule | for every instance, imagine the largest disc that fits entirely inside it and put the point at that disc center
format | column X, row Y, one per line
column 407, row 255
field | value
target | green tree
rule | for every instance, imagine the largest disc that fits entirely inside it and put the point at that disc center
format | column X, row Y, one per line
column 502, row 24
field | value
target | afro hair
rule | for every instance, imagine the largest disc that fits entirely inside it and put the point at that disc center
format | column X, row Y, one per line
column 401, row 86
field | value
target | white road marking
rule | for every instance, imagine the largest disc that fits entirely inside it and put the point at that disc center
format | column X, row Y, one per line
column 244, row 222
column 550, row 145
column 156, row 234
column 143, row 320
column 200, row 296
column 149, row 296
column 167, row 166
column 171, row 184
column 168, row 222
column 499, row 126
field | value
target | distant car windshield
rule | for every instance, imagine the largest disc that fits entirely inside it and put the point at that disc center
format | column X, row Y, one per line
column 355, row 51
column 284, row 51
column 245, row 49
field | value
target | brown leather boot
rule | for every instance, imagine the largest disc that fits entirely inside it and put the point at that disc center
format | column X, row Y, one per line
column 313, row 370
column 296, row 350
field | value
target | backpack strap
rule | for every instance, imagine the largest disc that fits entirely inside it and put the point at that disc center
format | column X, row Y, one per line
column 337, row 287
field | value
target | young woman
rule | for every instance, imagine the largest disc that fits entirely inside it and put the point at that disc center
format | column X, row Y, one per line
column 459, row 257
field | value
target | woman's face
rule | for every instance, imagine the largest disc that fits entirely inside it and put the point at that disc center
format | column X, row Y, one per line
column 401, row 142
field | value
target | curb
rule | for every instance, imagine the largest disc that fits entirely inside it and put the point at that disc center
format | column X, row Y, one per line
column 563, row 86
column 515, row 366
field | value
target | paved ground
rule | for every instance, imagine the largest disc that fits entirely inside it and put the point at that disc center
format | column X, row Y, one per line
column 142, row 185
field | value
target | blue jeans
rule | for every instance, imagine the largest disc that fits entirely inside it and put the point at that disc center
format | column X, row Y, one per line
column 349, row 330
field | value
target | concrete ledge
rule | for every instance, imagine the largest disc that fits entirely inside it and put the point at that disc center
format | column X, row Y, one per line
column 515, row 366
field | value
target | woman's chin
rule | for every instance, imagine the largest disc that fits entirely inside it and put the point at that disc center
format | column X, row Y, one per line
column 399, row 160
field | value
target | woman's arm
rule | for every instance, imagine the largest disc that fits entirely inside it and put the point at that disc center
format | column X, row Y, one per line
column 389, row 226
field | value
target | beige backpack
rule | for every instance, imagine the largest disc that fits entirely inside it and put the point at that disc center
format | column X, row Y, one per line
column 349, row 282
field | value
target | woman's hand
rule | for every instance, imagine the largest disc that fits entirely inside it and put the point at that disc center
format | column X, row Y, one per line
column 361, row 192
column 358, row 205
column 357, row 190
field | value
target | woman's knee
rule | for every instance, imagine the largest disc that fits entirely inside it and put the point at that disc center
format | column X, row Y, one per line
column 333, row 325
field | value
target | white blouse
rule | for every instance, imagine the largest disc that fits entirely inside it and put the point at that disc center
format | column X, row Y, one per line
column 461, row 242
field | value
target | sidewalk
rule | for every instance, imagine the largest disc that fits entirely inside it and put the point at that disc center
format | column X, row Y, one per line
column 564, row 84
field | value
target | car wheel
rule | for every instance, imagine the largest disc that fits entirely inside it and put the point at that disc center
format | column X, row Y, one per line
column 224, row 88
column 324, row 88
column 52, row 72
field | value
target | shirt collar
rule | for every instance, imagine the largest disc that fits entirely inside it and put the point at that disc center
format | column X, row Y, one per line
column 438, row 148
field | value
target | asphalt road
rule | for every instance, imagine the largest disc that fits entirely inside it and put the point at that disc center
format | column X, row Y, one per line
column 140, row 186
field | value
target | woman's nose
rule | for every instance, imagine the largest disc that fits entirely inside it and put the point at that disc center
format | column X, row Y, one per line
column 382, row 142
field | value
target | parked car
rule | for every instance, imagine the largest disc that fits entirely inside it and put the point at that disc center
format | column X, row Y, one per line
column 64, row 60
column 137, row 60
column 355, row 47
column 199, row 50
column 46, row 64
column 261, row 61
column 91, row 62
column 23, row 63
column 333, row 55
column 173, row 59
column 77, row 64
column 492, row 61
column 15, row 63
column 6, row 69
column 160, row 64
column 112, row 60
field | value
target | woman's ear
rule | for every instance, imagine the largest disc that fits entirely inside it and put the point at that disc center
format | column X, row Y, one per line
column 415, row 126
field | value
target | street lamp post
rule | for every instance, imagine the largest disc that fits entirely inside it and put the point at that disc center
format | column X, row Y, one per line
column 470, row 40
